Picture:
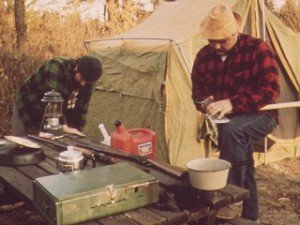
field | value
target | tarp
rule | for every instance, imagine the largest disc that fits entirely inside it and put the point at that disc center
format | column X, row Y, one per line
column 146, row 77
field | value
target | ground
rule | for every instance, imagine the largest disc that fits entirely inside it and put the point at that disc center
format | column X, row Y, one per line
column 279, row 197
column 279, row 192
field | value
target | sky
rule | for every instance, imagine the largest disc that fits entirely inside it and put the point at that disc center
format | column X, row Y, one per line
column 95, row 9
column 87, row 10
column 279, row 3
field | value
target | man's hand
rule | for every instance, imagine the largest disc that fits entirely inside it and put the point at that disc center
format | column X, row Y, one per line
column 219, row 108
column 71, row 130
column 203, row 104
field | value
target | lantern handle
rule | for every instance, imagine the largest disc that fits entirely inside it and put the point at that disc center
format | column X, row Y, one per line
column 44, row 115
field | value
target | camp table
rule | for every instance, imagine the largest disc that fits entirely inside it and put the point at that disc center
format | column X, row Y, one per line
column 19, row 179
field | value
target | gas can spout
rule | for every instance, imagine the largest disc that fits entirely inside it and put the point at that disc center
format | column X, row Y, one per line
column 106, row 137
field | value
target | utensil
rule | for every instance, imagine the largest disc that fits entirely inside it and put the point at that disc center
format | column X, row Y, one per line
column 216, row 120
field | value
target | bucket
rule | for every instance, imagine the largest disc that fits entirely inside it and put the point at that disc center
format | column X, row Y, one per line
column 208, row 173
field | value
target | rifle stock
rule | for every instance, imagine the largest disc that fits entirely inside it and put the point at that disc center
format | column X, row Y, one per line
column 170, row 169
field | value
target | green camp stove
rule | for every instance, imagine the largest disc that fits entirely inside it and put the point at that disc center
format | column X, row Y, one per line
column 83, row 195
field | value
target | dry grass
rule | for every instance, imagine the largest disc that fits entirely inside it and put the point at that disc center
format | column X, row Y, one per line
column 50, row 35
column 289, row 13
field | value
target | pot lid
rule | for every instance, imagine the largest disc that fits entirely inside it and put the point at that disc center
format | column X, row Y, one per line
column 22, row 141
column 70, row 154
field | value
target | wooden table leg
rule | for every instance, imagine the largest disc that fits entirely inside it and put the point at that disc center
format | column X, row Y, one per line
column 211, row 217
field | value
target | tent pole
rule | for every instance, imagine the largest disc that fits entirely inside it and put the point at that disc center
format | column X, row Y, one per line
column 86, row 43
column 262, row 7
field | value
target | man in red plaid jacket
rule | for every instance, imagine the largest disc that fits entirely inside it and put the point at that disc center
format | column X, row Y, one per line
column 234, row 76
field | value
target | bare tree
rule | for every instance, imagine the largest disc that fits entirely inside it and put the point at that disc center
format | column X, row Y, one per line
column 155, row 3
column 21, row 27
column 109, row 4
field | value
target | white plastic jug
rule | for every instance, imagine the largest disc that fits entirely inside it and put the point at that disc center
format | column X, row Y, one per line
column 106, row 137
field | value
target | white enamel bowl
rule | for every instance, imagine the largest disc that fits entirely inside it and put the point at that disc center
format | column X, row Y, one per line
column 208, row 173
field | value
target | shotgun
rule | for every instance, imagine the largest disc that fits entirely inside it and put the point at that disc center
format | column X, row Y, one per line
column 164, row 167
column 87, row 153
column 105, row 156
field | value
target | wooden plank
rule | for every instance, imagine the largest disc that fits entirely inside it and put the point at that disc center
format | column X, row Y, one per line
column 51, row 162
column 236, row 193
column 32, row 171
column 240, row 221
column 282, row 105
column 196, row 215
column 172, row 217
column 146, row 217
column 215, row 199
column 20, row 183
column 117, row 220
column 89, row 223
column 211, row 217
column 49, row 152
column 49, row 166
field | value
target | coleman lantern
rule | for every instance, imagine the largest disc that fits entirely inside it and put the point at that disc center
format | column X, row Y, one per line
column 53, row 111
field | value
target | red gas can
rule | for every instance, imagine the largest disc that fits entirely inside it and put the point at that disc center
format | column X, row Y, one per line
column 121, row 139
column 138, row 141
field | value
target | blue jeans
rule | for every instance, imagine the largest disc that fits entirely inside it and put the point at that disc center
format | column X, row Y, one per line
column 236, row 146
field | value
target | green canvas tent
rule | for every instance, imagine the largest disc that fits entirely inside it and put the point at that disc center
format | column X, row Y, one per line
column 146, row 81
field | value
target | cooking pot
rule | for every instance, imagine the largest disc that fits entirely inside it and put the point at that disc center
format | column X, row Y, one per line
column 208, row 173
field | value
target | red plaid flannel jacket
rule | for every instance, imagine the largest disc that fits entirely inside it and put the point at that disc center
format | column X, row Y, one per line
column 248, row 76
